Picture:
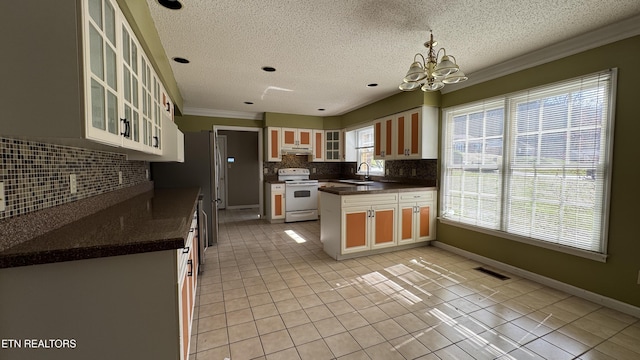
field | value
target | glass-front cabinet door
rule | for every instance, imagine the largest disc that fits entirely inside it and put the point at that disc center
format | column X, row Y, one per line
column 131, row 121
column 333, row 147
column 101, row 72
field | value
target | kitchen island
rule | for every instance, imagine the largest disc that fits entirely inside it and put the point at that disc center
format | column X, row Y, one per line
column 360, row 220
column 117, row 284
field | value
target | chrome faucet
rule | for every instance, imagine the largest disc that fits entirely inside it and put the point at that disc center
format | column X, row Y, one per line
column 366, row 177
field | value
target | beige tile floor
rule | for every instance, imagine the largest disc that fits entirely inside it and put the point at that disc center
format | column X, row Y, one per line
column 270, row 292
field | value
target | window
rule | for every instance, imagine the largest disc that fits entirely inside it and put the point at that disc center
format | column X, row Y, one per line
column 533, row 165
column 364, row 151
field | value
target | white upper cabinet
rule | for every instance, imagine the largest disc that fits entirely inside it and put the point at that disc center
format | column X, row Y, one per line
column 334, row 145
column 102, row 46
column 318, row 146
column 384, row 138
column 297, row 139
column 84, row 81
column 274, row 135
column 411, row 134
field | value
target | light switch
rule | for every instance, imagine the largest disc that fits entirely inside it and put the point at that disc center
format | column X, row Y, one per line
column 120, row 177
column 73, row 185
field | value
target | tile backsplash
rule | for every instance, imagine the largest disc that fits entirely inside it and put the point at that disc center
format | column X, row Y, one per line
column 423, row 170
column 36, row 174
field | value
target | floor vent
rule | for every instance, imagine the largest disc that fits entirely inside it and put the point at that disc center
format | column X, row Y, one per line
column 492, row 273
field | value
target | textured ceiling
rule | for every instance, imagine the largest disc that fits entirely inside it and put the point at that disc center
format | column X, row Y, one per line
column 327, row 51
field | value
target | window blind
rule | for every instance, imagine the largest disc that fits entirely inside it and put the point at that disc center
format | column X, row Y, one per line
column 534, row 163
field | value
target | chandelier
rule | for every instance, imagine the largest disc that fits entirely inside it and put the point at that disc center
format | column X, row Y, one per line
column 431, row 74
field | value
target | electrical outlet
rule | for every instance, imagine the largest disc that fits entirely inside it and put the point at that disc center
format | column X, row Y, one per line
column 413, row 172
column 120, row 177
column 146, row 173
column 265, row 171
column 73, row 185
column 2, row 201
column 386, row 171
column 401, row 172
column 313, row 170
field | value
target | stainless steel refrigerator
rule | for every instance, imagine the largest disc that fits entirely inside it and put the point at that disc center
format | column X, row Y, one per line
column 198, row 169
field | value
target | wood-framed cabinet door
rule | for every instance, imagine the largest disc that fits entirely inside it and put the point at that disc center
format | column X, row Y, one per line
column 305, row 138
column 406, row 223
column 355, row 229
column 318, row 145
column 384, row 139
column 425, row 221
column 273, row 144
column 383, row 226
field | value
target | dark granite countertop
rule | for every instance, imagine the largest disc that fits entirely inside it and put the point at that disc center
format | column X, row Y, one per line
column 374, row 188
column 152, row 221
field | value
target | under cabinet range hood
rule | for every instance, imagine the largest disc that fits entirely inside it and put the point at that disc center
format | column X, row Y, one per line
column 301, row 151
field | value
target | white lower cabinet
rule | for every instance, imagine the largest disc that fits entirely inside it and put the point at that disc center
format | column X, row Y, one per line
column 187, row 285
column 416, row 217
column 359, row 225
column 275, row 202
column 365, row 226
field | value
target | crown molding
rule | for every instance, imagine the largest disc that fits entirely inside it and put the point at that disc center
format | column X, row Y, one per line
column 246, row 115
column 605, row 35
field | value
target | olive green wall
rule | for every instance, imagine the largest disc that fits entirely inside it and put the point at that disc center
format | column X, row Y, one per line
column 617, row 278
column 293, row 120
column 139, row 17
column 391, row 105
column 193, row 123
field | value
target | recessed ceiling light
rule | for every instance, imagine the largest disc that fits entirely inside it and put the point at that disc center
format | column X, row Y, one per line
column 268, row 68
column 321, row 109
column 372, row 85
column 181, row 60
column 248, row 102
column 170, row 4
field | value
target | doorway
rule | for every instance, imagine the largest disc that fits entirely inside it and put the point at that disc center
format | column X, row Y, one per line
column 242, row 164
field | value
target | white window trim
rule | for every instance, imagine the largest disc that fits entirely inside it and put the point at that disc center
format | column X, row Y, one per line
column 592, row 255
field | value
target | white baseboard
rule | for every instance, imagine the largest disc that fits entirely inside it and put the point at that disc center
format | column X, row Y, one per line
column 570, row 289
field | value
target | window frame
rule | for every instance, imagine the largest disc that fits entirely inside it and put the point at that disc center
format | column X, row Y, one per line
column 378, row 170
column 511, row 101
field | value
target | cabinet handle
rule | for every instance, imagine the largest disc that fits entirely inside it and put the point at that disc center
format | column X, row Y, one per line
column 157, row 142
column 190, row 263
column 168, row 108
column 185, row 250
column 127, row 128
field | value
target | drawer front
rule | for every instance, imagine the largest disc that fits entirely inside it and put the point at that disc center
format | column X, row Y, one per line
column 277, row 187
column 358, row 200
column 417, row 196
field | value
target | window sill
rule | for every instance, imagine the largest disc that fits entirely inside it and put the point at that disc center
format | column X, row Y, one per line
column 539, row 243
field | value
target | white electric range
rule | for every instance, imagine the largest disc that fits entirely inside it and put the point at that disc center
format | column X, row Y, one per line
column 300, row 193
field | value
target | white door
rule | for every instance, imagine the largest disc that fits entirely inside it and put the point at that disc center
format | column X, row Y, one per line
column 221, row 163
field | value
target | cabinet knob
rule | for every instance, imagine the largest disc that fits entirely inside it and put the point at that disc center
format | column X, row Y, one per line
column 156, row 142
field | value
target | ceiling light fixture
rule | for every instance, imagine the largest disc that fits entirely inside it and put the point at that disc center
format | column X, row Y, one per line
column 431, row 74
column 181, row 60
column 171, row 4
column 268, row 68
column 372, row 85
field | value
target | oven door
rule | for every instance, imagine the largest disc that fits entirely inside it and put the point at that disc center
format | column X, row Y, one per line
column 301, row 196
